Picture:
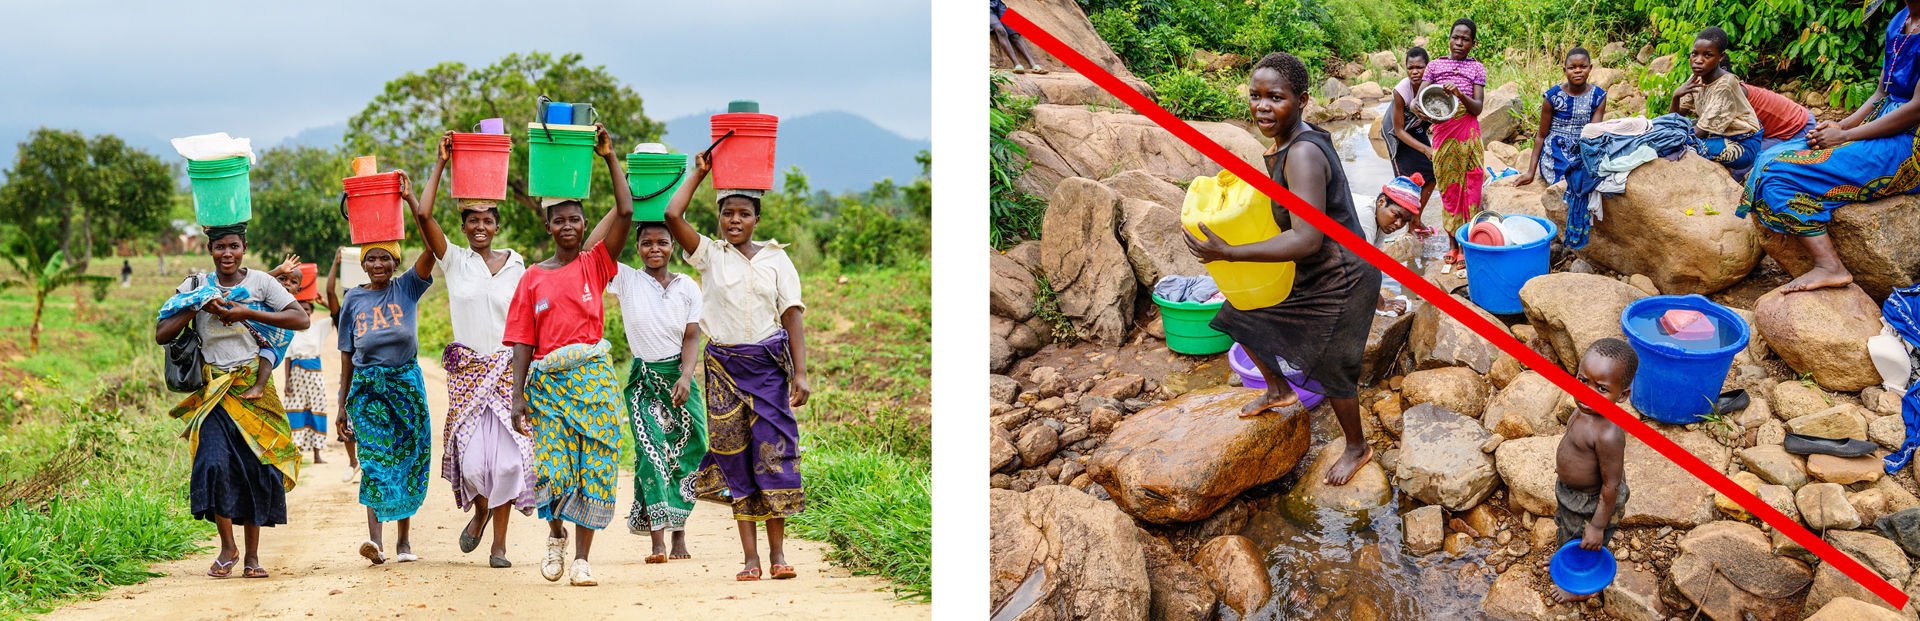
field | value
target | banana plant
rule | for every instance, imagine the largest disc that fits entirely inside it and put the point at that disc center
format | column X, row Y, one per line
column 43, row 273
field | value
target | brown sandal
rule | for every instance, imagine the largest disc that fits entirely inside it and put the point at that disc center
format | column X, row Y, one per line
column 748, row 575
column 222, row 570
column 656, row 559
column 783, row 572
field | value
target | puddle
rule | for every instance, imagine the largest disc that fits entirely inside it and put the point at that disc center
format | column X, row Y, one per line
column 1361, row 156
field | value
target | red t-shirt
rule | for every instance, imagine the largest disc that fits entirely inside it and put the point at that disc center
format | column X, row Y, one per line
column 1779, row 117
column 555, row 308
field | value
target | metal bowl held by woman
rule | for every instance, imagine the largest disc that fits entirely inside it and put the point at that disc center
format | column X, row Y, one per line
column 1436, row 102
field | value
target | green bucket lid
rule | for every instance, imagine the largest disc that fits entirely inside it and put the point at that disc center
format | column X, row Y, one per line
column 743, row 105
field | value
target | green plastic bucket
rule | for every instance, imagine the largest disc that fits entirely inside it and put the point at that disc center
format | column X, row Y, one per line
column 652, row 177
column 222, row 194
column 559, row 161
column 1187, row 329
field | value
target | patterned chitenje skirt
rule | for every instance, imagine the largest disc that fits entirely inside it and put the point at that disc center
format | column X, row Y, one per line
column 669, row 443
column 389, row 409
column 1458, row 160
column 1794, row 189
column 484, row 456
column 576, row 422
column 306, row 401
column 244, row 460
column 753, row 452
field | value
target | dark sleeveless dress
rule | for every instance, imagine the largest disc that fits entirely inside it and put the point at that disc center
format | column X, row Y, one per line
column 1320, row 331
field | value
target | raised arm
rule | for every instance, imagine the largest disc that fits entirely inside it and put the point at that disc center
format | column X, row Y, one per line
column 1306, row 174
column 683, row 233
column 423, row 216
column 617, row 225
column 333, row 300
column 430, row 230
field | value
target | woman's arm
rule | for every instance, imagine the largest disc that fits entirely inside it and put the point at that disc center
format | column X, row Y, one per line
column 683, row 233
column 169, row 327
column 613, row 228
column 333, row 300
column 1473, row 99
column 1599, row 112
column 430, row 230
column 797, row 349
column 1306, row 174
column 346, row 384
column 1399, row 121
column 689, row 365
column 1539, row 142
column 522, row 358
column 423, row 216
column 1900, row 121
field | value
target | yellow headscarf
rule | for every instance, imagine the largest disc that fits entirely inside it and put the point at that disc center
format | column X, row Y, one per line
column 392, row 248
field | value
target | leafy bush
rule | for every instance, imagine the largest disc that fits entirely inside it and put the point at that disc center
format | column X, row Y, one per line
column 1189, row 95
column 1013, row 213
column 1832, row 42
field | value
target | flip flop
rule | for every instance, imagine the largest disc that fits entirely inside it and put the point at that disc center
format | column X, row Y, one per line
column 656, row 559
column 1731, row 401
column 371, row 551
column 747, row 575
column 498, row 562
column 783, row 572
column 222, row 570
column 1839, row 447
column 255, row 572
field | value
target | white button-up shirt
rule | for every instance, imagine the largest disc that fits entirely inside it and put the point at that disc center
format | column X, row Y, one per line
column 478, row 298
column 743, row 298
column 656, row 317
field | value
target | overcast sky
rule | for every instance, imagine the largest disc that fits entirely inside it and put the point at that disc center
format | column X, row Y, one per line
column 266, row 70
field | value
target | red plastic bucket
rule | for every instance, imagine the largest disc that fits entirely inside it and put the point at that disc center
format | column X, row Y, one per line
column 479, row 163
column 744, row 161
column 309, row 282
column 373, row 207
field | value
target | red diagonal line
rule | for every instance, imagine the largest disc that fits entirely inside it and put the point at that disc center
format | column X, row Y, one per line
column 1459, row 312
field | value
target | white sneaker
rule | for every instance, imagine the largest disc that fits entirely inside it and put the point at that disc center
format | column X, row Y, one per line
column 582, row 574
column 556, row 562
column 348, row 476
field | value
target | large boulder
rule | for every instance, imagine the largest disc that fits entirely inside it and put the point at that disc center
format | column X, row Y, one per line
column 1500, row 113
column 1099, row 143
column 1729, row 570
column 1386, row 338
column 1089, row 551
column 1084, row 264
column 1530, row 405
column 1010, row 288
column 1184, row 459
column 1440, row 459
column 1438, row 340
column 1180, row 591
column 1067, row 22
column 1068, row 89
column 1367, row 490
column 1047, row 167
column 1527, row 466
column 1879, row 242
column 1232, row 566
column 1823, row 332
column 1573, row 310
column 1647, row 230
column 1663, row 493
column 1456, row 389
column 1150, row 227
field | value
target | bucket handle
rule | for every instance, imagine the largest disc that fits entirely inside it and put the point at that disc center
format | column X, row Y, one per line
column 343, row 207
column 544, row 100
column 592, row 118
column 656, row 193
column 717, row 141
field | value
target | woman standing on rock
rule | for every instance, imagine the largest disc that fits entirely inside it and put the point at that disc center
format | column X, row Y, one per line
column 1314, row 338
column 1865, row 157
column 1457, row 156
column 489, row 465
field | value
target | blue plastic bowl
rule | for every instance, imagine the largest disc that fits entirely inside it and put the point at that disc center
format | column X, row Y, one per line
column 1242, row 364
column 1582, row 572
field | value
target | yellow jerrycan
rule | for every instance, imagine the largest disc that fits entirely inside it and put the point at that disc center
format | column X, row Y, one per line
column 1237, row 214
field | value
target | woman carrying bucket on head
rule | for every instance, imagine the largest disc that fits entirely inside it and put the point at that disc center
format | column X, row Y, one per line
column 489, row 465
column 562, row 374
column 756, row 369
column 382, row 390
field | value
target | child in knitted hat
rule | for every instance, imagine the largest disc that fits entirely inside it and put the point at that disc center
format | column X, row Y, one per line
column 1397, row 206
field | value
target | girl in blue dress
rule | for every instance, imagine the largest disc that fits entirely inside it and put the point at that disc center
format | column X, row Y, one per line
column 1568, row 107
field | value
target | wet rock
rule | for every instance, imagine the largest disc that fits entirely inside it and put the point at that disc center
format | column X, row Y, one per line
column 1634, row 596
column 1150, row 227
column 1888, row 431
column 1878, row 241
column 1084, row 263
column 1456, row 543
column 1840, row 421
column 1457, row 389
column 1481, row 520
column 1367, row 490
column 1726, row 554
column 1441, row 462
column 1529, row 406
column 1775, row 465
column 1118, row 388
column 1850, row 609
column 1438, row 340
column 1388, row 411
column 1574, row 310
column 1104, row 419
column 1497, row 114
column 1089, row 550
column 1184, row 459
column 1727, row 506
column 1232, row 566
column 1037, row 444
column 1527, row 467
column 1824, row 506
column 1386, row 338
column 1002, row 389
column 1844, row 470
column 1823, row 332
column 1011, row 289
column 1878, row 553
column 1693, row 254
column 1000, row 450
column 1513, row 598
column 1180, row 591
column 1425, row 529
column 1792, row 399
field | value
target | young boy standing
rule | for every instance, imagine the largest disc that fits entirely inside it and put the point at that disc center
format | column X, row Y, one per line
column 1592, row 484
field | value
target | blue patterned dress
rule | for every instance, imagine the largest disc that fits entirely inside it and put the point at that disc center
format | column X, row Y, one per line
column 1561, row 150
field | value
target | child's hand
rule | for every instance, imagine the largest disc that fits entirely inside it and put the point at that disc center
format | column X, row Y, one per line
column 1524, row 179
column 1209, row 249
column 1594, row 536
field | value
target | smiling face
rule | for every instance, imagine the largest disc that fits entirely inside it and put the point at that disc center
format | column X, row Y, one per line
column 1576, row 68
column 656, row 246
column 1606, row 376
column 480, row 227
column 1704, row 58
column 737, row 219
column 378, row 265
column 567, row 223
column 1460, row 42
column 227, row 253
column 1274, row 105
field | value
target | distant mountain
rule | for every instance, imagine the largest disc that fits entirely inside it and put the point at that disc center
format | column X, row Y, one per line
column 838, row 151
column 322, row 137
column 11, row 137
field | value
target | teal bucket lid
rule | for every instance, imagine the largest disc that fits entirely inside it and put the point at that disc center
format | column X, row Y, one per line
column 743, row 105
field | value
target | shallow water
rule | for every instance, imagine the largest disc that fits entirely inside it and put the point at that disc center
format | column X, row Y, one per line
column 1367, row 170
column 1646, row 324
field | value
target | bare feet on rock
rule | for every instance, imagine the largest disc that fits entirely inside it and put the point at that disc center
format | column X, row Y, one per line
column 1819, row 278
column 1275, row 398
column 1350, row 462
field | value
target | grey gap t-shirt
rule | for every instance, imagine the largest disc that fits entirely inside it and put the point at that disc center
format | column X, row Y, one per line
column 378, row 327
column 224, row 346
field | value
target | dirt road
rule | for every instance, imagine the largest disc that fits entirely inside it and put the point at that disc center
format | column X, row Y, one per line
column 317, row 573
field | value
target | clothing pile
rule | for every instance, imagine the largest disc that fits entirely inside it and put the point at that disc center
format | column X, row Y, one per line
column 1610, row 150
column 1188, row 289
column 1902, row 311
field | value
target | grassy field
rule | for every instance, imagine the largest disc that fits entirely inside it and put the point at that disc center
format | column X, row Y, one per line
column 94, row 389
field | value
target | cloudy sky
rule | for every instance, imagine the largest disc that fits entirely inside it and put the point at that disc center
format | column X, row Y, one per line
column 267, row 70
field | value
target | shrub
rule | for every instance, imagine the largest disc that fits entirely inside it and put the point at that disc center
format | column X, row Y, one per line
column 1189, row 95
column 1013, row 213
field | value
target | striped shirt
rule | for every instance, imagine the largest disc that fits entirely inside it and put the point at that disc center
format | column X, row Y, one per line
column 656, row 317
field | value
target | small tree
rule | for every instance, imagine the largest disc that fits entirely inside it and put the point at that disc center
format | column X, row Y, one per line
column 43, row 269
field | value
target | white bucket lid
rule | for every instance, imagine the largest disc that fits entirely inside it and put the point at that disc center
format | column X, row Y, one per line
column 650, row 147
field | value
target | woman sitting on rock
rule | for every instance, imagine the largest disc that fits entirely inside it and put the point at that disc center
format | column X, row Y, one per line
column 1865, row 157
column 1317, row 334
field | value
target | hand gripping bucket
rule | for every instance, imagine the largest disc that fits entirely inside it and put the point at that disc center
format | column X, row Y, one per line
column 1677, row 383
column 373, row 207
column 221, row 192
column 1496, row 273
column 479, row 163
column 653, row 177
column 744, row 161
column 559, row 160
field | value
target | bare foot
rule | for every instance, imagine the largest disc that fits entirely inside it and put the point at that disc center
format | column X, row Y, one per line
column 1561, row 596
column 1349, row 463
column 680, row 545
column 1819, row 278
column 1274, row 398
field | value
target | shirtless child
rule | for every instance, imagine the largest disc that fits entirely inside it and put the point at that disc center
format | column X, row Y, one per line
column 1592, row 484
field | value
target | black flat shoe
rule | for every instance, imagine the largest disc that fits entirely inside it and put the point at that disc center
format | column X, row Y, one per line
column 1731, row 401
column 1838, row 447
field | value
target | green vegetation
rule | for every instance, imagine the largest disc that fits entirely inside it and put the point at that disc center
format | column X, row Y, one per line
column 1192, row 95
column 1830, row 45
column 1014, row 214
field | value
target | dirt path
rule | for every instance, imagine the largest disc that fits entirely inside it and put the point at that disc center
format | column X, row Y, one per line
column 318, row 574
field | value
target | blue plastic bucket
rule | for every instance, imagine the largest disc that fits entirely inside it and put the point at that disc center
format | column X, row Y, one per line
column 1580, row 571
column 1679, row 381
column 1496, row 273
column 557, row 113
